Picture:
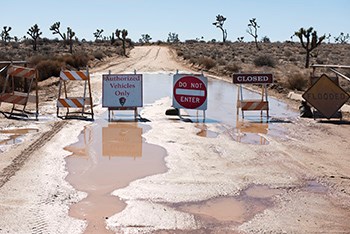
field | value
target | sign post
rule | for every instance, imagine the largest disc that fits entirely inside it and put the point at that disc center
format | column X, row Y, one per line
column 253, row 104
column 326, row 96
column 122, row 92
column 190, row 92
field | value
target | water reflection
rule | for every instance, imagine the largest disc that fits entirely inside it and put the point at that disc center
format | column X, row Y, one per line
column 251, row 133
column 122, row 140
column 13, row 136
column 108, row 156
column 204, row 132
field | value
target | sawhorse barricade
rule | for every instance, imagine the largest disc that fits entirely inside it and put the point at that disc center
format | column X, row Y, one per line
column 16, row 91
column 261, row 104
column 82, row 103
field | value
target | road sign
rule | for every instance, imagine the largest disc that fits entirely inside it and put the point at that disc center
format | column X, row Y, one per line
column 259, row 78
column 122, row 90
column 190, row 92
column 326, row 96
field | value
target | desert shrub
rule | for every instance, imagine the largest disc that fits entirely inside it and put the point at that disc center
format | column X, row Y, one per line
column 78, row 60
column 206, row 62
column 264, row 60
column 179, row 53
column 221, row 61
column 232, row 67
column 288, row 53
column 98, row 55
column 297, row 81
column 48, row 68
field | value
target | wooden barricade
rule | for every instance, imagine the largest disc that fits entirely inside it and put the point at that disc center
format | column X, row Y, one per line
column 261, row 104
column 16, row 91
column 79, row 104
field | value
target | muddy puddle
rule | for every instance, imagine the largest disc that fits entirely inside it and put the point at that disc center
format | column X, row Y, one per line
column 236, row 210
column 107, row 157
column 14, row 136
column 232, row 210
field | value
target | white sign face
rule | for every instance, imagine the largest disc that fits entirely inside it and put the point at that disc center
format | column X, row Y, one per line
column 122, row 90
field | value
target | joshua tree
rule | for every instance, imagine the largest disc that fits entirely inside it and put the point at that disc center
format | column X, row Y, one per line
column 70, row 35
column 342, row 38
column 173, row 38
column 253, row 31
column 67, row 38
column 5, row 35
column 220, row 20
column 98, row 34
column 312, row 41
column 35, row 33
column 56, row 30
column 240, row 39
column 122, row 37
column 145, row 38
column 112, row 39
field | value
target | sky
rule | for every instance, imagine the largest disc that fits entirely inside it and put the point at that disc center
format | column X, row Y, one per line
column 190, row 19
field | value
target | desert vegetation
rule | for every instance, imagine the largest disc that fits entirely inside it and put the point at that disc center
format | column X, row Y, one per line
column 288, row 61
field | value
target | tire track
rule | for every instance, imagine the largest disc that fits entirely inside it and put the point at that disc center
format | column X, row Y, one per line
column 18, row 162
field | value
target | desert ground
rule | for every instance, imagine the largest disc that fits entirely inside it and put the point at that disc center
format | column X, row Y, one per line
column 298, row 183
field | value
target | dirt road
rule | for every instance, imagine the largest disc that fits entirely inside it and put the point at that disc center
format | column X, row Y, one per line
column 298, row 183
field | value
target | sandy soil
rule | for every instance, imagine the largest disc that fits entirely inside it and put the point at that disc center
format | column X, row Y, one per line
column 309, row 168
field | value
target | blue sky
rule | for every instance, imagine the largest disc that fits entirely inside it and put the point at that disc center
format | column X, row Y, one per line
column 190, row 19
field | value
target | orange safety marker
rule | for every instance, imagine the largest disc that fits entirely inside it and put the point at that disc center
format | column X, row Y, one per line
column 82, row 103
column 16, row 91
column 261, row 104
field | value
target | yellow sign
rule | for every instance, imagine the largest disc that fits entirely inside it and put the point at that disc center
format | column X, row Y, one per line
column 326, row 96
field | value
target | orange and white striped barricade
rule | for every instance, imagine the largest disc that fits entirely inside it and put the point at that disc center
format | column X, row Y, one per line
column 261, row 104
column 82, row 106
column 16, row 91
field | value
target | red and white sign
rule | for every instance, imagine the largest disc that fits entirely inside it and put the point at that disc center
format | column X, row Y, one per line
column 190, row 91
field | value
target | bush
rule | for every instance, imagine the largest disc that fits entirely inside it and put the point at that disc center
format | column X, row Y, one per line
column 232, row 67
column 264, row 60
column 48, row 68
column 207, row 62
column 98, row 55
column 297, row 81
